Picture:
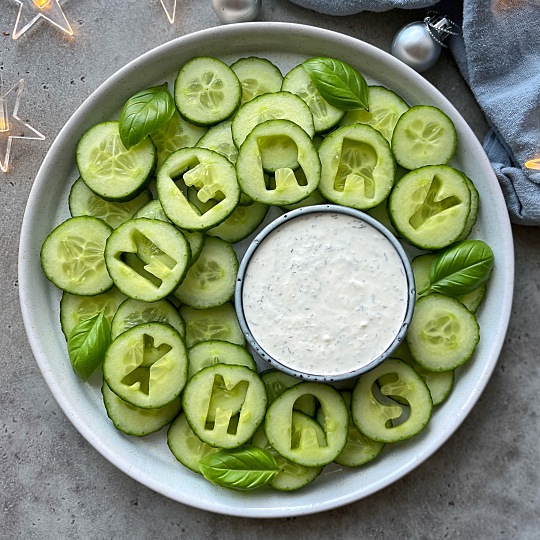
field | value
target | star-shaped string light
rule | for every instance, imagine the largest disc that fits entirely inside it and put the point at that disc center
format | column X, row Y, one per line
column 30, row 11
column 533, row 164
column 170, row 9
column 11, row 126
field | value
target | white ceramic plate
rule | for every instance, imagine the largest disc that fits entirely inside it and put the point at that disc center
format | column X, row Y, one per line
column 148, row 460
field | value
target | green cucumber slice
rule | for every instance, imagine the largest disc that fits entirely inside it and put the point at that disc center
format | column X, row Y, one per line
column 443, row 333
column 108, row 169
column 133, row 312
column 147, row 258
column 225, row 404
column 147, row 365
column 385, row 109
column 325, row 116
column 219, row 322
column 386, row 420
column 291, row 476
column 277, row 382
column 84, row 202
column 357, row 167
column 243, row 221
column 72, row 256
column 75, row 309
column 440, row 383
column 430, row 206
column 307, row 442
column 219, row 139
column 206, row 91
column 257, row 76
column 215, row 351
column 290, row 187
column 276, row 106
column 211, row 174
column 154, row 210
column 134, row 420
column 423, row 135
column 186, row 447
column 176, row 133
column 210, row 280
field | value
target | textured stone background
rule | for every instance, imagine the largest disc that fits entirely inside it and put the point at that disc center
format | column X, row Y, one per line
column 53, row 485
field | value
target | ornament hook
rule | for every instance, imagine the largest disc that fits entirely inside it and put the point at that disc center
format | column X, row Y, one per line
column 440, row 27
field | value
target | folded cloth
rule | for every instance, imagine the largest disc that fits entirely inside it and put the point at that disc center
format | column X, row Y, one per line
column 350, row 7
column 498, row 54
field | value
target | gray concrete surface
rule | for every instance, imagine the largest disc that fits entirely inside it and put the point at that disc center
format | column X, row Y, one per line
column 483, row 483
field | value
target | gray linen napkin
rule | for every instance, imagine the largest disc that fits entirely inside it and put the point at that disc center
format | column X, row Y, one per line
column 499, row 56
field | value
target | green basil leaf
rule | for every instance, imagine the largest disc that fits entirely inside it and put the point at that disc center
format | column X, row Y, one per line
column 340, row 84
column 87, row 344
column 243, row 468
column 461, row 268
column 145, row 112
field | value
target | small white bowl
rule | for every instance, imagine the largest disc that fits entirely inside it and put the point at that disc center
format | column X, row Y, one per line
column 309, row 314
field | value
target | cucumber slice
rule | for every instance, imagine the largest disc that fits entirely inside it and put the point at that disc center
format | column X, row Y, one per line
column 440, row 383
column 206, row 91
column 209, row 353
column 147, row 258
column 305, row 441
column 310, row 200
column 84, row 202
column 225, row 404
column 134, row 420
column 424, row 135
column 291, row 476
column 385, row 420
column 75, row 309
column 108, row 169
column 219, row 322
column 430, row 206
column 154, row 210
column 257, row 76
column 176, row 133
column 384, row 110
column 72, row 256
column 219, row 139
column 211, row 174
column 277, row 382
column 276, row 106
column 133, row 312
column 290, row 187
column 325, row 116
column 244, row 220
column 357, row 167
column 473, row 214
column 210, row 280
column 443, row 333
column 186, row 447
column 147, row 365
column 359, row 449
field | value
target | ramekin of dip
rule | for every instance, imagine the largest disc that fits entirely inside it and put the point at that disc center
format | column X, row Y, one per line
column 325, row 293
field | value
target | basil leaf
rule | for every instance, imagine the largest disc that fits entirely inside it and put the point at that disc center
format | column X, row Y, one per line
column 461, row 268
column 243, row 468
column 87, row 344
column 145, row 112
column 340, row 84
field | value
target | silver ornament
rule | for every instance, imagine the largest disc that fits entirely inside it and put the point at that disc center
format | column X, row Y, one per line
column 419, row 43
column 235, row 11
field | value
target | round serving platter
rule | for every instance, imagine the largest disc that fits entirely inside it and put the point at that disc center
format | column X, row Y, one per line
column 148, row 459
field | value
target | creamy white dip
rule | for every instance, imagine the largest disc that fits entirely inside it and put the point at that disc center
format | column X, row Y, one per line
column 325, row 293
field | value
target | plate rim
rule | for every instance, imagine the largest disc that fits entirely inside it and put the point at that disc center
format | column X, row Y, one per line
column 25, row 253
